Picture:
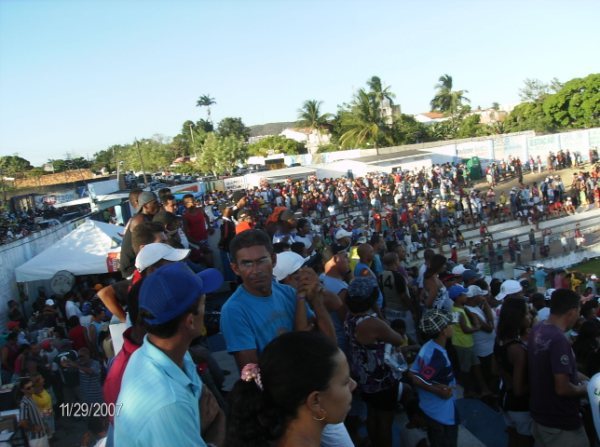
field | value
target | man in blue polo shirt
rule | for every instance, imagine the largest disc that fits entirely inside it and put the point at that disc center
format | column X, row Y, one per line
column 158, row 401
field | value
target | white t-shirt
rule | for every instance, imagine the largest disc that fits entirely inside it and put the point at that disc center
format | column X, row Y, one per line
column 483, row 342
column 72, row 310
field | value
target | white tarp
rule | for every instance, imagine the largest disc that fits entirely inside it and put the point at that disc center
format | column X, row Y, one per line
column 84, row 251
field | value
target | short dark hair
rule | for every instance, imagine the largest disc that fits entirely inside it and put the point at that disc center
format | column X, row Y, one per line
column 169, row 328
column 164, row 193
column 247, row 239
column 562, row 301
column 301, row 222
column 144, row 234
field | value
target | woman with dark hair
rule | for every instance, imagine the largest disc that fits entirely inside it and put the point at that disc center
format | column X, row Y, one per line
column 29, row 416
column 301, row 383
column 436, row 295
column 368, row 335
column 510, row 352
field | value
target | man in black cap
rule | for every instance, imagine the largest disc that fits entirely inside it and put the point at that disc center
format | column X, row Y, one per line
column 147, row 207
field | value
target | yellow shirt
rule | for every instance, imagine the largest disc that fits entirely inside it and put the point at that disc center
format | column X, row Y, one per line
column 43, row 401
column 459, row 338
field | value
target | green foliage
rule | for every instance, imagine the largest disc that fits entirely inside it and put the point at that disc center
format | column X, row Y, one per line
column 221, row 155
column 276, row 144
column 12, row 165
column 448, row 101
column 233, row 127
column 533, row 90
column 206, row 101
column 407, row 130
column 469, row 127
column 310, row 115
column 328, row 148
column 576, row 104
column 361, row 123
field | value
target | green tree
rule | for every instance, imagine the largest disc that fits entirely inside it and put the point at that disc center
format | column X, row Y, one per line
column 576, row 104
column 13, row 164
column 207, row 158
column 309, row 115
column 206, row 101
column 528, row 116
column 330, row 147
column 533, row 90
column 380, row 92
column 361, row 123
column 276, row 144
column 233, row 127
column 407, row 130
column 446, row 100
column 231, row 152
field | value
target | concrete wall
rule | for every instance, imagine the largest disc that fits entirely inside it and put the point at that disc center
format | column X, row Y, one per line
column 499, row 147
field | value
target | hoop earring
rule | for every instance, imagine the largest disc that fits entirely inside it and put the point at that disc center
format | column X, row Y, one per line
column 322, row 418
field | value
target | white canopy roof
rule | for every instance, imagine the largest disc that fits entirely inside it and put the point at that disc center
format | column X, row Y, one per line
column 88, row 249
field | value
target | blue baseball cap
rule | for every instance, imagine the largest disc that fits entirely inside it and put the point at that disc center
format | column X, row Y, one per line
column 173, row 289
column 455, row 291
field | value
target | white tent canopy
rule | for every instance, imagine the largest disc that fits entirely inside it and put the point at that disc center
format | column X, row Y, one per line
column 86, row 250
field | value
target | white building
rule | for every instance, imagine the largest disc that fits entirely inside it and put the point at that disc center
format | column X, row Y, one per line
column 311, row 138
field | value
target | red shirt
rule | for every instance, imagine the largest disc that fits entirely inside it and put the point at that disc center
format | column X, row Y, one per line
column 77, row 336
column 196, row 225
column 112, row 384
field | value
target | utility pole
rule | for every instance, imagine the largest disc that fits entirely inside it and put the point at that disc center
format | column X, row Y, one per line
column 137, row 145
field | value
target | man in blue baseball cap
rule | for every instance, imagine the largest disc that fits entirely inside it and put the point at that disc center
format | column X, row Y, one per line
column 158, row 401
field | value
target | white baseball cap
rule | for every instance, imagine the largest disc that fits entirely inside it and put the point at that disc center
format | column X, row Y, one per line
column 152, row 253
column 509, row 287
column 458, row 269
column 341, row 233
column 473, row 291
column 288, row 262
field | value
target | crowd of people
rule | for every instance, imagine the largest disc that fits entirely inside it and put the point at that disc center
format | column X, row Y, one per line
column 335, row 320
column 22, row 223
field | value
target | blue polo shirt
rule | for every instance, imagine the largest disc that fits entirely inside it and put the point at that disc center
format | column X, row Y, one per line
column 158, row 402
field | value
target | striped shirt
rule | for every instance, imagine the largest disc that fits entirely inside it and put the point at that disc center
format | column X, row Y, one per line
column 89, row 384
column 30, row 413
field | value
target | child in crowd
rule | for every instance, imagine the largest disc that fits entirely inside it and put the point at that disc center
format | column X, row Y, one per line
column 432, row 375
column 462, row 339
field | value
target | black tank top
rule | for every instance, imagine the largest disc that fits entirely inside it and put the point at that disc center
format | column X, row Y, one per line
column 508, row 401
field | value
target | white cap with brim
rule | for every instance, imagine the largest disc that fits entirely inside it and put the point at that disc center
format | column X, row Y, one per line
column 509, row 287
column 152, row 253
column 341, row 233
column 288, row 262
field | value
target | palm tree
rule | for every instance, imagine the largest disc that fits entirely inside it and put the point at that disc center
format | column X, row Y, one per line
column 446, row 100
column 383, row 96
column 362, row 123
column 206, row 101
column 310, row 116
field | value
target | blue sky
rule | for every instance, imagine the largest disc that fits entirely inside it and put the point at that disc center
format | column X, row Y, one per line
column 79, row 76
